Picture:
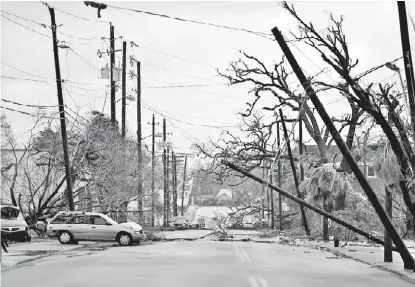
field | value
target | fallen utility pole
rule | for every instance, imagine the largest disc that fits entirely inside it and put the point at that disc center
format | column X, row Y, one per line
column 407, row 59
column 184, row 185
column 306, row 204
column 279, row 179
column 386, row 221
column 139, row 149
column 297, row 184
column 62, row 113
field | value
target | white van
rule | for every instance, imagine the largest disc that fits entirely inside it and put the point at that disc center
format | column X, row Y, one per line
column 13, row 225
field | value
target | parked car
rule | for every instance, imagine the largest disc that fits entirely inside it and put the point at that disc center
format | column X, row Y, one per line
column 70, row 227
column 13, row 225
column 179, row 222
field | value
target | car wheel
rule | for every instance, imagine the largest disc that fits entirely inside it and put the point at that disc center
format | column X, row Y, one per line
column 65, row 237
column 28, row 238
column 124, row 239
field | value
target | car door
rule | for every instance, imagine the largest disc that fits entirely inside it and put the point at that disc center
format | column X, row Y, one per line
column 100, row 229
column 80, row 227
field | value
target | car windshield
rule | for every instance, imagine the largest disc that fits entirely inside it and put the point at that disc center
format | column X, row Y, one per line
column 110, row 220
column 9, row 213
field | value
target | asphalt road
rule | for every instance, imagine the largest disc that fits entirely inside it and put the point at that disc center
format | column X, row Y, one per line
column 197, row 263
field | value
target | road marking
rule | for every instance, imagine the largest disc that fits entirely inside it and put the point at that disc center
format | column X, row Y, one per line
column 243, row 253
column 263, row 282
column 238, row 252
column 253, row 282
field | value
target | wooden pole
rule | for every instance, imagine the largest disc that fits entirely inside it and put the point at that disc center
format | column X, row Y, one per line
column 294, row 170
column 279, row 179
column 68, row 174
column 387, row 250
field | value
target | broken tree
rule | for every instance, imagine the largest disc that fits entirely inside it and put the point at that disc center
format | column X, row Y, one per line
column 406, row 256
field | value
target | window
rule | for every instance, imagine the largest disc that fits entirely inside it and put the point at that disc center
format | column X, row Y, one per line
column 83, row 219
column 61, row 219
column 98, row 220
column 9, row 213
column 370, row 171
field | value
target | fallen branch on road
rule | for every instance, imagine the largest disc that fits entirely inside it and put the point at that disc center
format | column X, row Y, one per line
column 308, row 205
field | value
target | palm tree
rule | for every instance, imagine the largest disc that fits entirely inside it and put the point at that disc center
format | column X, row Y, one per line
column 323, row 187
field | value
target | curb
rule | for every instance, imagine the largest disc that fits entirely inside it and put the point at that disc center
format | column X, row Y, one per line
column 342, row 255
column 19, row 264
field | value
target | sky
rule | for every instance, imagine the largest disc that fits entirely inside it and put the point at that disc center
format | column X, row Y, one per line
column 175, row 53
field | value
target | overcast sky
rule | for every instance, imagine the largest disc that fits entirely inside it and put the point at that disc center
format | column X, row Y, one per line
column 372, row 29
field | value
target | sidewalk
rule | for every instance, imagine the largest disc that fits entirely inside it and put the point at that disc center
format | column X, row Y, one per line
column 24, row 252
column 366, row 253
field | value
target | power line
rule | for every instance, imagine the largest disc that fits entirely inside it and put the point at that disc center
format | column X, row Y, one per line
column 25, row 79
column 261, row 34
column 26, row 113
column 31, row 106
column 26, row 27
column 75, row 16
column 171, row 55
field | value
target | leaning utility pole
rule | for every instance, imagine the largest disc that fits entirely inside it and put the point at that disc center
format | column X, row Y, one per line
column 184, row 185
column 407, row 59
column 152, row 172
column 124, row 56
column 173, row 156
column 140, row 153
column 279, row 177
column 164, row 175
column 62, row 113
column 297, row 184
column 386, row 221
column 112, row 65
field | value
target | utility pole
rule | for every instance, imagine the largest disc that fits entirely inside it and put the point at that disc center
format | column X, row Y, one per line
column 164, row 174
column 386, row 221
column 407, row 59
column 287, row 140
column 263, row 195
column 184, row 185
column 124, row 56
column 271, row 195
column 279, row 178
column 112, row 65
column 387, row 250
column 173, row 156
column 62, row 113
column 153, row 142
column 300, row 144
column 168, row 182
column 139, row 136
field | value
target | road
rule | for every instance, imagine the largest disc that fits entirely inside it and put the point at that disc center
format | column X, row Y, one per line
column 198, row 263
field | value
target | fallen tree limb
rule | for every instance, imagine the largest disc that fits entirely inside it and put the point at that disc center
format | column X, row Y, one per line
column 308, row 205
